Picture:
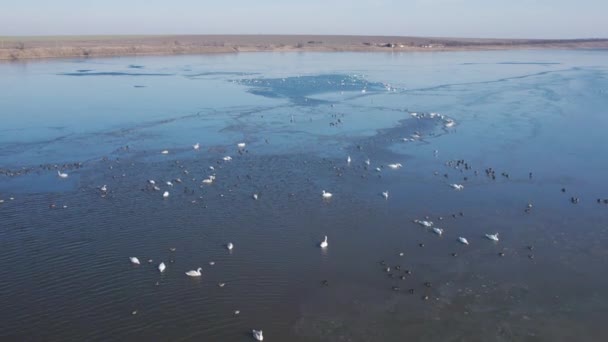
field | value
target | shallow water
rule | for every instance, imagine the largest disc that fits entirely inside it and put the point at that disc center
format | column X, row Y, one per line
column 67, row 276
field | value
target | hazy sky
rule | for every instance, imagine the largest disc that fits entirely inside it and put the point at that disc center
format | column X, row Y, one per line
column 447, row 18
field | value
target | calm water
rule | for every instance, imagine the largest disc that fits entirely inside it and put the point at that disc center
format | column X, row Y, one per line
column 66, row 273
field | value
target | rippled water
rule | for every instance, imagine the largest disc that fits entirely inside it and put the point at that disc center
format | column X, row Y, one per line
column 65, row 244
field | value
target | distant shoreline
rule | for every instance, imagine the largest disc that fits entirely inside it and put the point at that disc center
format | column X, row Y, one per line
column 28, row 48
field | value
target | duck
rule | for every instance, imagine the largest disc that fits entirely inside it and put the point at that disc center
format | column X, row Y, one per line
column 258, row 334
column 385, row 194
column 195, row 273
column 326, row 194
column 134, row 260
column 324, row 243
column 395, row 166
column 166, row 194
column 463, row 240
column 493, row 237
column 438, row 231
column 196, row 146
column 229, row 246
column 457, row 186
column 161, row 267
column 62, row 174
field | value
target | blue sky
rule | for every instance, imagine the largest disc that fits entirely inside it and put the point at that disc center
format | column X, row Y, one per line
column 446, row 18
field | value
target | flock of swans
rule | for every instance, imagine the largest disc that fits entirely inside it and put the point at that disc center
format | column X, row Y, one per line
column 197, row 273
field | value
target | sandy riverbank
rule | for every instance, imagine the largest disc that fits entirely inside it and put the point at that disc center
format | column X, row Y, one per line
column 18, row 48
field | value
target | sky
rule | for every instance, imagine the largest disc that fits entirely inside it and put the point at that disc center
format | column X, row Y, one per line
column 438, row 18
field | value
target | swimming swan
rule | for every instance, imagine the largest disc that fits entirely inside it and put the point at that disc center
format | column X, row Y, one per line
column 194, row 273
column 324, row 243
column 258, row 335
column 493, row 237
column 423, row 223
column 457, row 186
column 438, row 231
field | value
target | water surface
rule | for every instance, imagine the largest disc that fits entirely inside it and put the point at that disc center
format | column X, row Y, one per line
column 538, row 118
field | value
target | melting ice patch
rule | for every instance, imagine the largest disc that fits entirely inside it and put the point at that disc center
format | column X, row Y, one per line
column 298, row 89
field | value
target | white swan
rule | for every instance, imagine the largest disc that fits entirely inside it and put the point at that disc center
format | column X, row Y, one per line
column 241, row 145
column 493, row 237
column 169, row 183
column 463, row 240
column 62, row 174
column 367, row 162
column 194, row 273
column 211, row 168
column 457, row 186
column 161, row 267
column 378, row 169
column 208, row 180
column 104, row 188
column 395, row 166
column 227, row 158
column 255, row 197
column 438, row 231
column 324, row 243
column 166, row 194
column 164, row 152
column 424, row 223
column 326, row 194
column 134, row 260
column 151, row 181
column 258, row 334
column 196, row 146
column 229, row 246
column 385, row 194
column 348, row 160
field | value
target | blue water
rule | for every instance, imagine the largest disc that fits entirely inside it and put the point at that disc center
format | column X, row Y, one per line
column 67, row 276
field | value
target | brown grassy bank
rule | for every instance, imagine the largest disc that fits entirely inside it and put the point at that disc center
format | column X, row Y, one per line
column 17, row 48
